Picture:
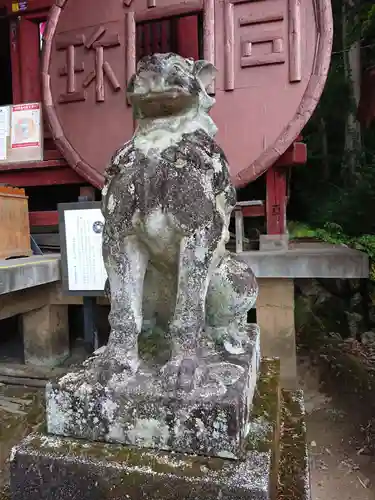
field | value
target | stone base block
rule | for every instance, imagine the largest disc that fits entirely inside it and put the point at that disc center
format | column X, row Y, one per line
column 212, row 420
column 57, row 468
column 51, row 468
column 273, row 242
column 276, row 461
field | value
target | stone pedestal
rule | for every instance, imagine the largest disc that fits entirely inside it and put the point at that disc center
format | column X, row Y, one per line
column 45, row 467
column 212, row 420
column 57, row 469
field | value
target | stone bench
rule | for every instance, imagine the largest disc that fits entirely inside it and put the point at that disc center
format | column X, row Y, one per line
column 276, row 272
column 27, row 286
column 31, row 287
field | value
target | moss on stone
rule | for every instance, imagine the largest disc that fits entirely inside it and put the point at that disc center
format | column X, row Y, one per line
column 144, row 470
column 160, row 462
column 294, row 479
column 140, row 469
column 16, row 423
column 264, row 434
column 265, row 414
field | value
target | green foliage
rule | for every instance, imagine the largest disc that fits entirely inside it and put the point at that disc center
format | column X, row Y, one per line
column 333, row 234
column 368, row 20
column 338, row 186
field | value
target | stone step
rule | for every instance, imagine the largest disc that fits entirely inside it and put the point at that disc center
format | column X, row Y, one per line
column 57, row 468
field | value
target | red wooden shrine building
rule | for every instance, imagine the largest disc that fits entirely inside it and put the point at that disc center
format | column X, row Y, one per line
column 52, row 180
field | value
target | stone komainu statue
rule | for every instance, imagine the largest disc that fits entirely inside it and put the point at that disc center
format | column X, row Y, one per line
column 167, row 202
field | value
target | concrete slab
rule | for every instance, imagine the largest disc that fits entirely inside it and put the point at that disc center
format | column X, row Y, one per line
column 20, row 274
column 301, row 260
column 308, row 260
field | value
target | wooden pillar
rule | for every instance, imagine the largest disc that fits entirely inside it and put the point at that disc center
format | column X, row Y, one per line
column 46, row 335
column 276, row 237
column 275, row 317
column 29, row 43
column 15, row 61
column 276, row 200
column 239, row 230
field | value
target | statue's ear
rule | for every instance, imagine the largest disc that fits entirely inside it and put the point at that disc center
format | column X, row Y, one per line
column 205, row 72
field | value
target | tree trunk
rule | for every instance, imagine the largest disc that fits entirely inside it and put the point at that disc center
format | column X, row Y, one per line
column 325, row 151
column 352, row 67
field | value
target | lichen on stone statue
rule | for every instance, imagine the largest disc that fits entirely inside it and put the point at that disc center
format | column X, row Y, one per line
column 167, row 202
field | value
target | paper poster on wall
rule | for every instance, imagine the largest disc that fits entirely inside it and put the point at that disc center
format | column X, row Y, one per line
column 19, row 6
column 26, row 131
column 83, row 235
column 4, row 131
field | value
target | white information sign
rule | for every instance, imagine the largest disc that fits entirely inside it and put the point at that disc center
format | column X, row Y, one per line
column 4, row 131
column 83, row 233
column 26, row 130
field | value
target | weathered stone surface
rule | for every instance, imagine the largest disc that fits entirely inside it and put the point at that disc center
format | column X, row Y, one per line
column 265, row 421
column 167, row 202
column 60, row 469
column 54, row 468
column 273, row 242
column 294, row 470
column 212, row 420
column 29, row 272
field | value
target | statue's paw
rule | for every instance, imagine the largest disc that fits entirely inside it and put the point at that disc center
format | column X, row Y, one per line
column 112, row 362
column 169, row 373
column 183, row 374
column 233, row 338
column 234, row 345
column 188, row 374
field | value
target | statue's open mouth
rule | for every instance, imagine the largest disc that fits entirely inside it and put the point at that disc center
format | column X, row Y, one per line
column 167, row 103
column 155, row 95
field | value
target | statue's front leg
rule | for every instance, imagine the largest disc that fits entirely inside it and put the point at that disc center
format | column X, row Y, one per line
column 197, row 258
column 126, row 263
